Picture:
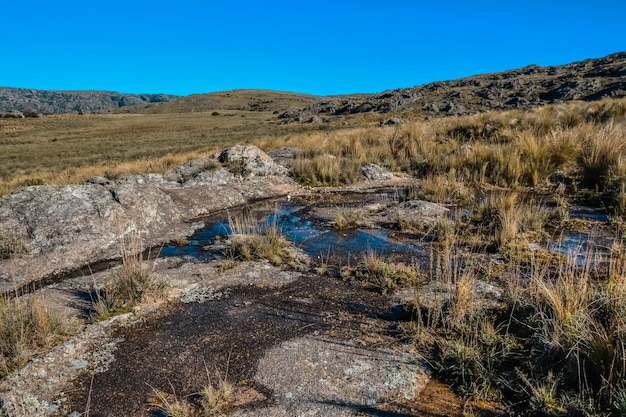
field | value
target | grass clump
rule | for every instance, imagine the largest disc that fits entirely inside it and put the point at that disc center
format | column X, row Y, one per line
column 130, row 285
column 171, row 405
column 27, row 327
column 212, row 400
column 10, row 246
column 215, row 399
column 251, row 241
column 383, row 275
column 553, row 343
column 348, row 218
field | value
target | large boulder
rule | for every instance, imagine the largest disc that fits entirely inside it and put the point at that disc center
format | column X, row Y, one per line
column 374, row 172
column 250, row 160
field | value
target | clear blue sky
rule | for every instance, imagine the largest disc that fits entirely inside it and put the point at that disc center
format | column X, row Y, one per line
column 321, row 47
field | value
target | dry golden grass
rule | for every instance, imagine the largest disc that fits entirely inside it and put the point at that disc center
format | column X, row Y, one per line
column 581, row 142
column 68, row 149
column 577, row 142
column 26, row 328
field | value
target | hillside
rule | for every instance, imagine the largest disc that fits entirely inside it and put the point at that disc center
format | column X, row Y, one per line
column 523, row 88
column 54, row 102
column 238, row 100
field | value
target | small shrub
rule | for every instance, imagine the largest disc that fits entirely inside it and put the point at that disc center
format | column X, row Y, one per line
column 216, row 398
column 446, row 188
column 251, row 241
column 171, row 405
column 543, row 396
column 130, row 285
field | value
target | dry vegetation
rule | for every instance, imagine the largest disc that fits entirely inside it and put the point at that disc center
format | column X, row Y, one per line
column 27, row 327
column 68, row 149
column 251, row 240
column 577, row 144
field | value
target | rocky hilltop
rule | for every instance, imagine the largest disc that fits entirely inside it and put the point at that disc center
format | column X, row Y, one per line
column 523, row 88
column 29, row 101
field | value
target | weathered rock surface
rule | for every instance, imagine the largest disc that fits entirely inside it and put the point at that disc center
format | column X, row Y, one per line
column 64, row 227
column 414, row 211
column 250, row 160
column 293, row 342
column 374, row 172
column 316, row 376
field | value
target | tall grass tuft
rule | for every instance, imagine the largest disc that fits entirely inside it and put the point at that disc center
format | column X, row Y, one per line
column 26, row 327
column 130, row 285
column 555, row 341
column 251, row 240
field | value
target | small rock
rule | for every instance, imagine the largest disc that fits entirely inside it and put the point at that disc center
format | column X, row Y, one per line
column 394, row 121
column 99, row 180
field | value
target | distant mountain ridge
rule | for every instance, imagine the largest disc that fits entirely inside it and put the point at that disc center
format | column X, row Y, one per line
column 523, row 88
column 528, row 87
column 52, row 102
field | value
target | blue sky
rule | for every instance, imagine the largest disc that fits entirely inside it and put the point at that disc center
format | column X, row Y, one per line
column 323, row 47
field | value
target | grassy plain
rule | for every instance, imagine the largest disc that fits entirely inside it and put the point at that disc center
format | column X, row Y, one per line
column 68, row 149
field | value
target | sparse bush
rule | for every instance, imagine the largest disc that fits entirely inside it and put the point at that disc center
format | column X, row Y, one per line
column 130, row 285
column 603, row 157
column 171, row 405
column 446, row 188
column 216, row 398
column 385, row 276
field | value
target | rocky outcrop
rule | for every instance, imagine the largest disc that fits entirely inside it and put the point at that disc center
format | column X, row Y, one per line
column 250, row 160
column 64, row 227
column 373, row 172
column 42, row 101
column 394, row 121
column 524, row 88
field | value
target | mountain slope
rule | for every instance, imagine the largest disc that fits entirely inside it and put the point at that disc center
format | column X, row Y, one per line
column 43, row 101
column 522, row 88
column 527, row 87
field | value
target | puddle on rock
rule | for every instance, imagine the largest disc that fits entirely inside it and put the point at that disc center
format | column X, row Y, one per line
column 588, row 213
column 582, row 249
column 315, row 239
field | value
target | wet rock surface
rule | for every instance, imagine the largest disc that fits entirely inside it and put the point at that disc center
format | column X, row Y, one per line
column 247, row 322
column 330, row 325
